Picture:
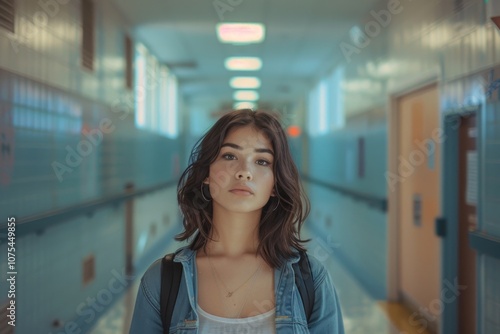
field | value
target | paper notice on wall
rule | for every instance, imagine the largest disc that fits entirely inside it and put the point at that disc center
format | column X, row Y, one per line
column 471, row 186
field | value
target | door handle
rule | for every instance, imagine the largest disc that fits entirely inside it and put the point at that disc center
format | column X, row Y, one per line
column 440, row 225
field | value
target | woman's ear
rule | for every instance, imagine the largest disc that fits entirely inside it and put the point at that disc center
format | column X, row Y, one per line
column 206, row 180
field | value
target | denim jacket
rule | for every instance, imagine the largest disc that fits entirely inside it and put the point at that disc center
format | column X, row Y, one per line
column 290, row 315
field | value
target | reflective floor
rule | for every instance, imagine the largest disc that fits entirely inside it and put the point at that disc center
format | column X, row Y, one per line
column 362, row 314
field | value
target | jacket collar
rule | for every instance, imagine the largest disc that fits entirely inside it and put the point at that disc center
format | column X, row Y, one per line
column 186, row 254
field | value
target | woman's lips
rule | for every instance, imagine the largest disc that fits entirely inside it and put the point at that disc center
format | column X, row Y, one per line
column 241, row 192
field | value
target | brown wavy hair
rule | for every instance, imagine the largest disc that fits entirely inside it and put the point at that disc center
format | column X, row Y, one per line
column 280, row 224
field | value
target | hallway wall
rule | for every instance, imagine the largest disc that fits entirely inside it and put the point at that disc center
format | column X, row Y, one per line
column 46, row 101
column 415, row 42
column 333, row 159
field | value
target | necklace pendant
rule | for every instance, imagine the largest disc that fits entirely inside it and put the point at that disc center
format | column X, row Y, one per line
column 229, row 294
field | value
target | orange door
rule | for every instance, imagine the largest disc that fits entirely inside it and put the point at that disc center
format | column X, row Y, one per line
column 419, row 264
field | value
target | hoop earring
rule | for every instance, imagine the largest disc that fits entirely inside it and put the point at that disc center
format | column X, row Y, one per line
column 203, row 194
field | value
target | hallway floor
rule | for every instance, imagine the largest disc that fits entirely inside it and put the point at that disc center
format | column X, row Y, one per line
column 361, row 313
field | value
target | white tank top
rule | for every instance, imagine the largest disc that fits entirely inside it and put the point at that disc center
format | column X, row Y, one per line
column 260, row 324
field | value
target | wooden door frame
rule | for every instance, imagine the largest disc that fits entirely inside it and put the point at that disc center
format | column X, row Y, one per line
column 393, row 135
column 450, row 200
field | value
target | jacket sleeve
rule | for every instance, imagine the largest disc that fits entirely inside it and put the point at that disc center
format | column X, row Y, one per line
column 327, row 315
column 146, row 318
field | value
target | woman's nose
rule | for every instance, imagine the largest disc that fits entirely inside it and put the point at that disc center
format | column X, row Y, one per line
column 244, row 175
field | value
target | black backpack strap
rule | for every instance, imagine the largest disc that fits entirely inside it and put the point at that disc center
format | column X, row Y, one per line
column 304, row 282
column 171, row 273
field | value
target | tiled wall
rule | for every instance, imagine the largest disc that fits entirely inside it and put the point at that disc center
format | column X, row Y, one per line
column 49, row 284
column 47, row 109
column 356, row 233
column 49, row 50
column 333, row 159
column 453, row 42
column 489, row 268
column 491, row 162
column 60, row 149
column 47, row 103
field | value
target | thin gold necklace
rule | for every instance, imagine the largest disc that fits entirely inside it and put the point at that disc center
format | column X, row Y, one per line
column 228, row 292
column 214, row 273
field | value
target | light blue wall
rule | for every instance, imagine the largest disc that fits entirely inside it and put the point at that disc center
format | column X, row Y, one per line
column 46, row 100
column 38, row 181
column 334, row 159
column 49, row 262
column 490, row 153
column 356, row 232
column 489, row 267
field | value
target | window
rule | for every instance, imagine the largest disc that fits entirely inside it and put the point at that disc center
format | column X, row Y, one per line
column 326, row 106
column 172, row 111
column 156, row 95
column 140, row 90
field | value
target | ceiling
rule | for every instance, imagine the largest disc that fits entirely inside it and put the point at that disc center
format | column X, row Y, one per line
column 302, row 41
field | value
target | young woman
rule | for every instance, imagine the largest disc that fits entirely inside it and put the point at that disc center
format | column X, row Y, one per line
column 244, row 205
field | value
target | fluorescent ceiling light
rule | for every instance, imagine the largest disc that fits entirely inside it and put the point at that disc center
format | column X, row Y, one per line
column 240, row 33
column 245, row 95
column 362, row 86
column 243, row 63
column 244, row 105
column 245, row 82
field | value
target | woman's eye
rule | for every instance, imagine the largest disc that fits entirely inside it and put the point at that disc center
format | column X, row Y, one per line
column 263, row 162
column 228, row 156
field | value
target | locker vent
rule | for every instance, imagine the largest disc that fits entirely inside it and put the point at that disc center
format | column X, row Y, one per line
column 7, row 14
column 88, row 43
column 129, row 58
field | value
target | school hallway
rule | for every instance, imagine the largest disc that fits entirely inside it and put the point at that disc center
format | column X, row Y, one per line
column 391, row 109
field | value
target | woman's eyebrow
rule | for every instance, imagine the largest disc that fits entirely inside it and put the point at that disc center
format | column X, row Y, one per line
column 258, row 150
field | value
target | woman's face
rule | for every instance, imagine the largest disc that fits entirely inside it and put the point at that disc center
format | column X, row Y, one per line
column 241, row 178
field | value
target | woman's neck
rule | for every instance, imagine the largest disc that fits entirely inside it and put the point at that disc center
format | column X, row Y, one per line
column 234, row 234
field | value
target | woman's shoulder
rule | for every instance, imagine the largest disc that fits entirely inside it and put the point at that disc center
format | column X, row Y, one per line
column 151, row 279
column 318, row 270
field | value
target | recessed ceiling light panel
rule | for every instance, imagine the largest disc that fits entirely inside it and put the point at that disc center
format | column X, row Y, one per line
column 245, row 82
column 245, row 95
column 243, row 64
column 240, row 33
column 244, row 105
